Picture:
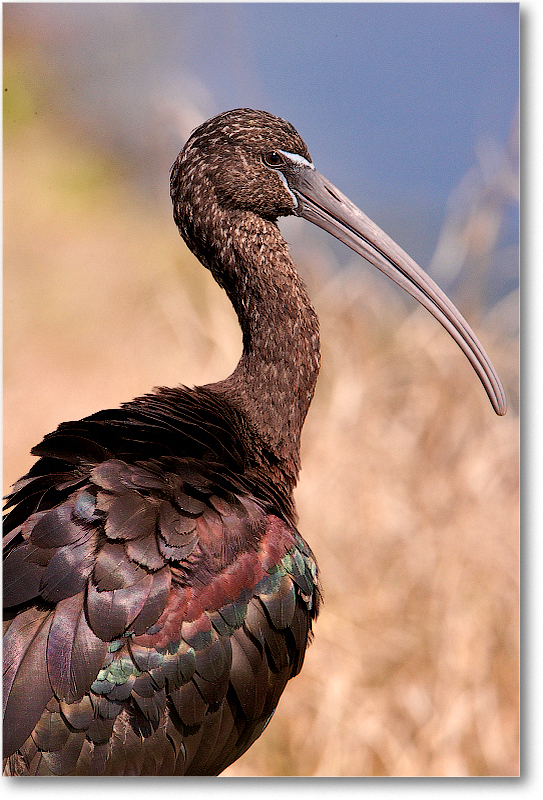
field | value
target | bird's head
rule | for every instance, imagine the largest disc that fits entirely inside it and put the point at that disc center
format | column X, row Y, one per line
column 248, row 159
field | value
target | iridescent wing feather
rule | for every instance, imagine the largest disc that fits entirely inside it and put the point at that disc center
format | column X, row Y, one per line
column 155, row 608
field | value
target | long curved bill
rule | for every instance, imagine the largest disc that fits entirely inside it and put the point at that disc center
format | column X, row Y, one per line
column 324, row 205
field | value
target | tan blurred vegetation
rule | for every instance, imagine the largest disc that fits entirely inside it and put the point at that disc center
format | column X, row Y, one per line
column 409, row 491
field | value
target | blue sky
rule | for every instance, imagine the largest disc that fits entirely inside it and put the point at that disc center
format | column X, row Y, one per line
column 415, row 83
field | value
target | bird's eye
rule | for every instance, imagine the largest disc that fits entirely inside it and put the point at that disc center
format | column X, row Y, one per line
column 273, row 159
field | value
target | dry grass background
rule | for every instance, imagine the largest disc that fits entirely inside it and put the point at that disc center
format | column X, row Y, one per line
column 409, row 489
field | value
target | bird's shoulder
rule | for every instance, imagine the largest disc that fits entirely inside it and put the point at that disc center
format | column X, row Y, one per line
column 193, row 433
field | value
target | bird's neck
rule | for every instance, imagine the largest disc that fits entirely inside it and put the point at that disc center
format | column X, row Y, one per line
column 274, row 381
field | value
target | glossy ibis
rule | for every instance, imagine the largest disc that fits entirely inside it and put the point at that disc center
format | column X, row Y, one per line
column 158, row 596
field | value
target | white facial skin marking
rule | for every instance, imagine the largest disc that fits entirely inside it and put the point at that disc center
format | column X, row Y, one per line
column 297, row 159
column 287, row 187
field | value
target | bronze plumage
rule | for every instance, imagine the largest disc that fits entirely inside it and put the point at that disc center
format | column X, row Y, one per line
column 157, row 594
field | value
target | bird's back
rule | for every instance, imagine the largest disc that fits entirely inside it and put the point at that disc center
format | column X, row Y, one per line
column 157, row 594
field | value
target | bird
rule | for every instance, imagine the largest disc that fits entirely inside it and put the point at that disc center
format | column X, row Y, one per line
column 158, row 596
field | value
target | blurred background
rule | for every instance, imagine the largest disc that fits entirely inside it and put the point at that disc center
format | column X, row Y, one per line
column 409, row 489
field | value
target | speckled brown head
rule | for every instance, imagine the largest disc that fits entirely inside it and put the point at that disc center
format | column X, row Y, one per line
column 228, row 153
